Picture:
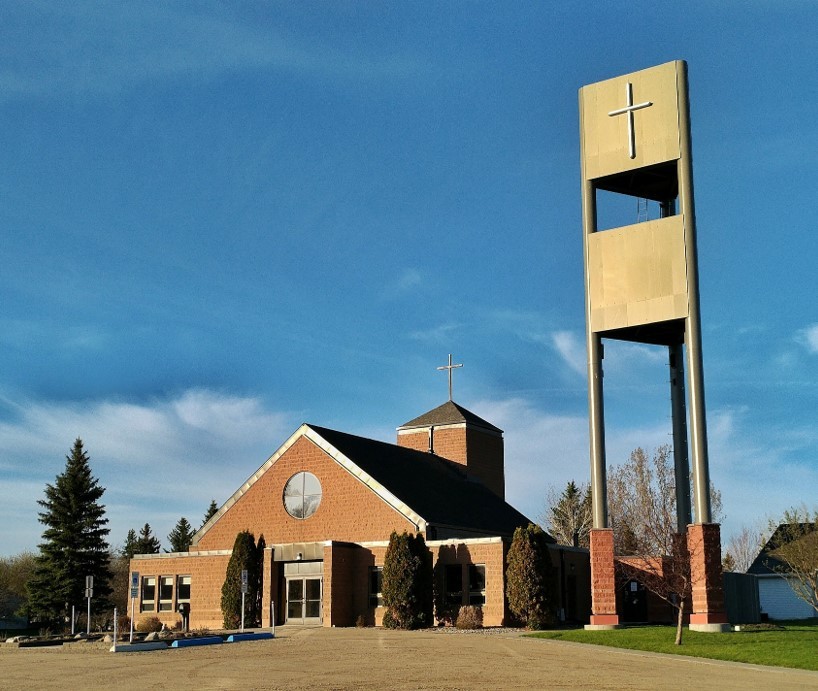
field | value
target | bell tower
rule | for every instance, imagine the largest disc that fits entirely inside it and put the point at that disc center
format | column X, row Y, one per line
column 641, row 285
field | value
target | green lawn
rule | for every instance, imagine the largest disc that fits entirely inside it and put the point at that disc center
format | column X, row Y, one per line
column 789, row 644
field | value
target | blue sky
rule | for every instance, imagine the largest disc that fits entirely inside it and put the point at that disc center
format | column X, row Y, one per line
column 220, row 220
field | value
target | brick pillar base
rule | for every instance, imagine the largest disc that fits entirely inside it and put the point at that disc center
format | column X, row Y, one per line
column 707, row 590
column 603, row 580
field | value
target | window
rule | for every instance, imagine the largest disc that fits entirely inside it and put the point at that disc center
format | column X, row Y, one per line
column 183, row 589
column 166, row 594
column 477, row 584
column 302, row 495
column 376, row 586
column 453, row 584
column 148, row 593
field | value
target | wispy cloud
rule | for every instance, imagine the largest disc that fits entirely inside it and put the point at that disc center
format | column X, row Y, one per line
column 104, row 48
column 571, row 349
column 436, row 334
column 157, row 460
column 541, row 450
column 405, row 283
column 808, row 337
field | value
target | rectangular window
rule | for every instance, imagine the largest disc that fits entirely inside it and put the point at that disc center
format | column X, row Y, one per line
column 477, row 584
column 183, row 589
column 148, row 593
column 166, row 594
column 376, row 586
column 453, row 584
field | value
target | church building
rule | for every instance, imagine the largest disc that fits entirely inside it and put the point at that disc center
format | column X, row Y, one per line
column 326, row 503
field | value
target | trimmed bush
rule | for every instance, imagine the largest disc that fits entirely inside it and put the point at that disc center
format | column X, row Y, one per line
column 470, row 617
column 407, row 582
column 530, row 587
column 245, row 556
column 149, row 625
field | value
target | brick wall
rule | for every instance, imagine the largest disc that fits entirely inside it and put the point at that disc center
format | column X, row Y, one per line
column 207, row 573
column 339, row 581
column 704, row 546
column 349, row 511
column 489, row 552
column 485, row 459
column 603, row 578
column 481, row 452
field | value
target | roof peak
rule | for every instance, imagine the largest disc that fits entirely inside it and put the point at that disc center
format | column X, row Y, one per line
column 449, row 413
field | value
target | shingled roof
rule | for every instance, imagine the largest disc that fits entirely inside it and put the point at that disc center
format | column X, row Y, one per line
column 438, row 490
column 765, row 563
column 447, row 414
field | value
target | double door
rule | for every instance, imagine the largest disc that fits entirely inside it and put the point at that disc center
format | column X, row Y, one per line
column 304, row 599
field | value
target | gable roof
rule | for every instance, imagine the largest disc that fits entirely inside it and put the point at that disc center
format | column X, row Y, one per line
column 447, row 414
column 423, row 487
column 765, row 564
column 438, row 490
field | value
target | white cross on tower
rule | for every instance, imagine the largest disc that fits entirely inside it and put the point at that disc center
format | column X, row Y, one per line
column 450, row 367
column 629, row 108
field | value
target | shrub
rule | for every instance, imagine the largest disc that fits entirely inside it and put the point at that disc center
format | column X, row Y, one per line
column 149, row 625
column 470, row 617
column 246, row 555
column 123, row 623
column 407, row 582
column 530, row 579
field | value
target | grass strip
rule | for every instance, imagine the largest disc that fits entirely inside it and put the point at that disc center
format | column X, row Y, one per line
column 787, row 644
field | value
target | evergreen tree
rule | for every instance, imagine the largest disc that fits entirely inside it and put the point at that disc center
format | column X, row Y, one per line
column 569, row 517
column 257, row 576
column 211, row 510
column 74, row 543
column 181, row 536
column 147, row 543
column 530, row 578
column 407, row 582
column 245, row 556
column 131, row 545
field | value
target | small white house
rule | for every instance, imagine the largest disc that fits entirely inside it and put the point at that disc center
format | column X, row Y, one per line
column 776, row 596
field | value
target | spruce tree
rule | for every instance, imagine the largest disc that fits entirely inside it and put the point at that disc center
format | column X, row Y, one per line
column 530, row 587
column 211, row 510
column 74, row 543
column 181, row 536
column 147, row 543
column 245, row 556
column 407, row 582
column 131, row 545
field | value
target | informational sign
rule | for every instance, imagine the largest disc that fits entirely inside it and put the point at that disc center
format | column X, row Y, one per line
column 244, row 586
column 134, row 584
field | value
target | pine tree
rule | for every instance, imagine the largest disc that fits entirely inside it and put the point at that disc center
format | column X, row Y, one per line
column 147, row 543
column 407, row 582
column 181, row 536
column 211, row 510
column 529, row 578
column 569, row 518
column 74, row 543
column 131, row 545
column 245, row 556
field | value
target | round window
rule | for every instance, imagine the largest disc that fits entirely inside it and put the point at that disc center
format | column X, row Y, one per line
column 302, row 495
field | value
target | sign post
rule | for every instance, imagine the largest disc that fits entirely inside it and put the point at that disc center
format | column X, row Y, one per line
column 89, row 593
column 244, row 589
column 134, row 595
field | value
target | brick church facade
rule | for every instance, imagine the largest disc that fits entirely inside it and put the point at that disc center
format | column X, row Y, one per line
column 326, row 503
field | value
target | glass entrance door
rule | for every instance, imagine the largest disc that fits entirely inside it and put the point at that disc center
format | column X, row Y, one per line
column 304, row 600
